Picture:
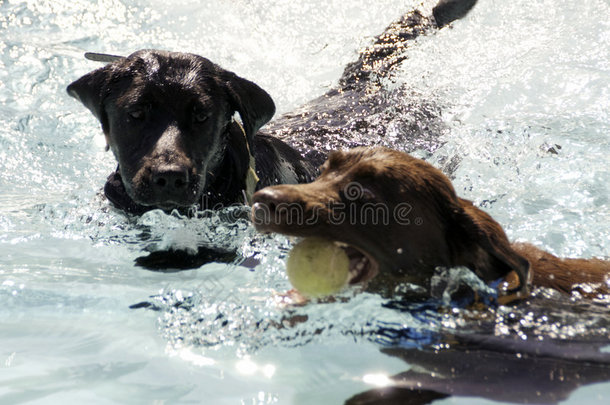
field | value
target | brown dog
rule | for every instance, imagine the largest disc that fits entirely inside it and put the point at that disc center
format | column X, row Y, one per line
column 401, row 218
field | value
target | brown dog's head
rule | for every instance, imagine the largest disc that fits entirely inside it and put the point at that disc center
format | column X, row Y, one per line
column 167, row 118
column 398, row 215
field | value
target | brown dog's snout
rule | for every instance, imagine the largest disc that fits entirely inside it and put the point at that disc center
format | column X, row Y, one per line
column 264, row 204
column 272, row 205
column 169, row 179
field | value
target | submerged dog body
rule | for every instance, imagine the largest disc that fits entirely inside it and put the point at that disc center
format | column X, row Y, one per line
column 401, row 219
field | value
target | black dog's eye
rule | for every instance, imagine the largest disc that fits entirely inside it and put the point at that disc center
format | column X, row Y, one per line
column 137, row 114
column 199, row 115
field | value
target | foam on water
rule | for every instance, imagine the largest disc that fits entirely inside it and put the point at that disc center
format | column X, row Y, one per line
column 523, row 90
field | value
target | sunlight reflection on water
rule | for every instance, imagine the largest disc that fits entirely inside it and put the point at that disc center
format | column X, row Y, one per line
column 523, row 89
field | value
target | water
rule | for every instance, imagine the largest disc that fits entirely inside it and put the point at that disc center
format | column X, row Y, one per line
column 524, row 95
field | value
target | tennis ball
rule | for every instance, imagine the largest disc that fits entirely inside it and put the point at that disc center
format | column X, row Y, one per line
column 317, row 267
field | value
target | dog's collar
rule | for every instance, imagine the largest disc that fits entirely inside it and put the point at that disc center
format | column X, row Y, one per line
column 251, row 179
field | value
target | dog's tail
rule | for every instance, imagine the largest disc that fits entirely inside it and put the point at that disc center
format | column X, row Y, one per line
column 447, row 11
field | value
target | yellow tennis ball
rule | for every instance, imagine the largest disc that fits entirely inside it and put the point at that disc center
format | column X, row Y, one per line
column 317, row 267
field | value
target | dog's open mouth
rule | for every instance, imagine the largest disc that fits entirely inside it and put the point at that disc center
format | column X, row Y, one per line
column 362, row 267
column 268, row 218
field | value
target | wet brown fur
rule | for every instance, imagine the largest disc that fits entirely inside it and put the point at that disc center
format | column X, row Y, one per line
column 451, row 231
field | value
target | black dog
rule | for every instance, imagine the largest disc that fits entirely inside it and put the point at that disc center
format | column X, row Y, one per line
column 168, row 118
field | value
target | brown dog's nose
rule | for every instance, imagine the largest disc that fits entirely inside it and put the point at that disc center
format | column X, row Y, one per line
column 264, row 203
column 271, row 204
column 170, row 178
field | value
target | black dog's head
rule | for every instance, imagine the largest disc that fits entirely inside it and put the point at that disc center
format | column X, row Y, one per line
column 168, row 119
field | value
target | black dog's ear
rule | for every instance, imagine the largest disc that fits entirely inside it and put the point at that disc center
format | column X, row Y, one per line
column 500, row 259
column 254, row 105
column 90, row 90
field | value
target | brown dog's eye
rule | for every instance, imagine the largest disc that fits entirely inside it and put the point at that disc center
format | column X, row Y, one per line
column 354, row 192
column 368, row 195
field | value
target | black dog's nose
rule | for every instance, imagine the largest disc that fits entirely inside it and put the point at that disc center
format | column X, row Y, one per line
column 170, row 178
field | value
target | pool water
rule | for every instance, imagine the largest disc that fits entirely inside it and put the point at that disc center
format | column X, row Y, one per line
column 524, row 94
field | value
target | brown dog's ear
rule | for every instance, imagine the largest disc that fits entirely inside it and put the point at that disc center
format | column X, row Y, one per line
column 495, row 257
column 90, row 90
column 254, row 105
